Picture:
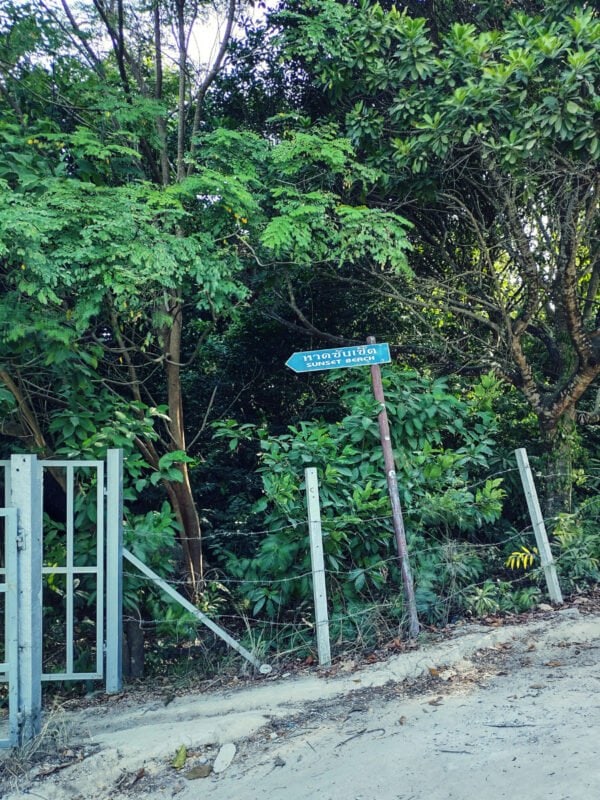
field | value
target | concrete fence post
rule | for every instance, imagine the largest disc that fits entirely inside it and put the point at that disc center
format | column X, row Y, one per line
column 318, row 566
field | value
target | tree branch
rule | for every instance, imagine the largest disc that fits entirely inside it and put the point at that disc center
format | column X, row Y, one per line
column 211, row 75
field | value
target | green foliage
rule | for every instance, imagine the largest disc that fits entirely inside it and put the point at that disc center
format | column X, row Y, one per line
column 578, row 539
column 444, row 570
column 494, row 597
column 514, row 92
column 76, row 244
column 442, row 444
column 484, row 131
column 311, row 222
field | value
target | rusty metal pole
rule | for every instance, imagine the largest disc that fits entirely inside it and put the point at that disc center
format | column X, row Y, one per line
column 392, row 484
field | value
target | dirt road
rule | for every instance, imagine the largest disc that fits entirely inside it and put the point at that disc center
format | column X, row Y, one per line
column 532, row 733
column 512, row 712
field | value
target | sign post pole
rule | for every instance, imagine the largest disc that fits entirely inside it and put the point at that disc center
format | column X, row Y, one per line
column 370, row 355
column 392, row 484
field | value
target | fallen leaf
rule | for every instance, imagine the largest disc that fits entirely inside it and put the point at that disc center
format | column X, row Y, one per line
column 180, row 757
column 127, row 781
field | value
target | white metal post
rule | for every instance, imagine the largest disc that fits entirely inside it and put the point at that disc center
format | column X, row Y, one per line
column 114, row 570
column 318, row 566
column 539, row 528
column 26, row 497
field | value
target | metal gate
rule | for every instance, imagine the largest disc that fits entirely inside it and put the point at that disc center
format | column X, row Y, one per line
column 8, row 627
column 55, row 571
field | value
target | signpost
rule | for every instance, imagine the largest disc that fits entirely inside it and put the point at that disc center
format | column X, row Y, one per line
column 371, row 355
column 338, row 358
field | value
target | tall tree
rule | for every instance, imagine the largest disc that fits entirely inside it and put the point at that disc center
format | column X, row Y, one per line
column 485, row 136
column 133, row 228
column 126, row 94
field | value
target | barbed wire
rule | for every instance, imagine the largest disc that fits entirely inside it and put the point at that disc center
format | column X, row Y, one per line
column 348, row 517
column 528, row 530
column 381, row 563
column 449, row 593
column 300, row 526
column 339, row 616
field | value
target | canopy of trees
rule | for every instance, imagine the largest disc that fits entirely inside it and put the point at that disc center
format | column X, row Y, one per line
column 176, row 218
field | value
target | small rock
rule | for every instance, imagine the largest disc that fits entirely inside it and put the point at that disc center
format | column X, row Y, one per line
column 224, row 758
column 279, row 762
column 273, row 735
column 201, row 771
column 570, row 613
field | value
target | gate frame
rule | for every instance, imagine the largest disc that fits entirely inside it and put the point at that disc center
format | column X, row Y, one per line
column 23, row 504
column 26, row 498
column 8, row 587
column 23, row 501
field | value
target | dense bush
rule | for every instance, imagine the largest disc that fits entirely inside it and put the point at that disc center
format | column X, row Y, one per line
column 442, row 441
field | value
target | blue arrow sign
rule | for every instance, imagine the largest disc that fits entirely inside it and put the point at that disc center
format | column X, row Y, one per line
column 364, row 355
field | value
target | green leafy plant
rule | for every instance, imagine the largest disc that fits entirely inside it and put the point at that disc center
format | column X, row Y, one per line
column 499, row 596
column 442, row 444
column 578, row 540
column 483, row 600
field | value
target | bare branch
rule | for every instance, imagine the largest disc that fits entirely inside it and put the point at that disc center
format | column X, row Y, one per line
column 211, row 75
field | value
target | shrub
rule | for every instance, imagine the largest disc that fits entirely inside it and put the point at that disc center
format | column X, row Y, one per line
column 442, row 442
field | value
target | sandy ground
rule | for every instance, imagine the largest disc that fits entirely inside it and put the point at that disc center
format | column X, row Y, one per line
column 506, row 712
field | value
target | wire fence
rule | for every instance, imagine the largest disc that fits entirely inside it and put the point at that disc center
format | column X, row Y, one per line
column 377, row 614
column 457, row 576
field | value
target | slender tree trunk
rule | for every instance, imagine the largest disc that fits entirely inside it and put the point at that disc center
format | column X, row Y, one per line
column 181, row 494
column 184, row 506
column 558, row 438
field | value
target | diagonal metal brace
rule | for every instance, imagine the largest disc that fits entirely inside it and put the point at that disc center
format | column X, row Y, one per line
column 264, row 669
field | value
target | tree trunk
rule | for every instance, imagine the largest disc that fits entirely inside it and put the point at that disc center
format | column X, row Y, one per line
column 181, row 494
column 184, row 506
column 558, row 437
column 133, row 649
